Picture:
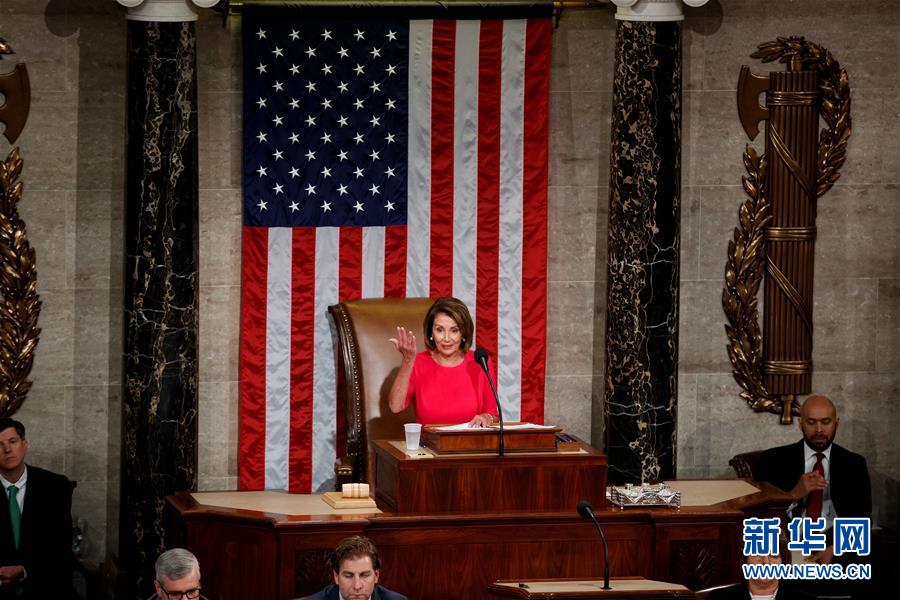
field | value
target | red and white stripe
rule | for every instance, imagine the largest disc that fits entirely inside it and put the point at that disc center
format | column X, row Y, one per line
column 477, row 230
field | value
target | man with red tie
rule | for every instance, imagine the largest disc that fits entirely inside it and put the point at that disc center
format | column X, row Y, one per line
column 826, row 480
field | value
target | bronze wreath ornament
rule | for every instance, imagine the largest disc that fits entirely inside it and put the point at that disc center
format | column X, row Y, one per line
column 20, row 304
column 774, row 242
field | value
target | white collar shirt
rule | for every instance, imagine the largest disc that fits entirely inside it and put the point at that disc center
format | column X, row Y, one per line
column 21, row 484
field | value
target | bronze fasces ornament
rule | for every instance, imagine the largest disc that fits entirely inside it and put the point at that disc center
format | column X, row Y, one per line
column 774, row 243
column 20, row 304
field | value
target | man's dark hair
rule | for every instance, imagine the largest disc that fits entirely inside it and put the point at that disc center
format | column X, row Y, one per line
column 7, row 422
column 352, row 548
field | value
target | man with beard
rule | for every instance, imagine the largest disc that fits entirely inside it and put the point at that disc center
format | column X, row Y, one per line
column 825, row 479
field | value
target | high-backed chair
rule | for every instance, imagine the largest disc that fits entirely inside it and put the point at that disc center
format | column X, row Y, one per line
column 367, row 364
column 747, row 464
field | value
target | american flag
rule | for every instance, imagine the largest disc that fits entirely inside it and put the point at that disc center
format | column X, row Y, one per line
column 384, row 157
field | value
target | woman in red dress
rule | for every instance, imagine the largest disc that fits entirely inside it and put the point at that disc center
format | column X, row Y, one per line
column 443, row 382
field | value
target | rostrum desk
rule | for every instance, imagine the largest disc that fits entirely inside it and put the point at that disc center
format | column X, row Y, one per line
column 271, row 545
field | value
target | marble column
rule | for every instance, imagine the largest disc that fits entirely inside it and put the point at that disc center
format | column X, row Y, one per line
column 159, row 412
column 643, row 242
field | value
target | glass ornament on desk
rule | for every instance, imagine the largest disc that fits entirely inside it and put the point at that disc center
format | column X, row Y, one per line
column 644, row 495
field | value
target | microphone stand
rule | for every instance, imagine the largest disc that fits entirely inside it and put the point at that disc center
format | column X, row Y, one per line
column 499, row 413
column 587, row 511
column 481, row 356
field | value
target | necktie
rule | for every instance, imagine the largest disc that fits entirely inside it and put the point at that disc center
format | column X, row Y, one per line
column 15, row 515
column 814, row 502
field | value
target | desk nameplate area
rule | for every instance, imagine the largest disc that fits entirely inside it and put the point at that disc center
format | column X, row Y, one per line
column 521, row 437
column 420, row 453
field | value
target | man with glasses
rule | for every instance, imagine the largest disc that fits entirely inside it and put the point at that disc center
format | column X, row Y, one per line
column 177, row 576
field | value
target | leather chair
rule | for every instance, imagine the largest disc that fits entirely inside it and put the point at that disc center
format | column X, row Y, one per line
column 367, row 364
column 746, row 465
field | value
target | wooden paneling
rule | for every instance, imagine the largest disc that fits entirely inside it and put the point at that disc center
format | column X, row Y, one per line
column 250, row 554
column 536, row 482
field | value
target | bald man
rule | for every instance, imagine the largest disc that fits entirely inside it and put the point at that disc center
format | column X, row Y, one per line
column 825, row 479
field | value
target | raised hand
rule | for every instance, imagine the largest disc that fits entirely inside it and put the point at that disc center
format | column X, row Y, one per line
column 405, row 343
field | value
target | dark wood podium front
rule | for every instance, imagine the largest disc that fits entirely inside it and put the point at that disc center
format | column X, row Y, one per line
column 532, row 481
column 272, row 546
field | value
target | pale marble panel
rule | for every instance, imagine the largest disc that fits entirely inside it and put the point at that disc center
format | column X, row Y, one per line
column 568, row 404
column 870, row 59
column 97, row 341
column 701, row 328
column 867, row 408
column 98, row 239
column 719, row 215
column 45, row 215
column 34, row 42
column 100, row 149
column 887, row 331
column 220, row 237
column 873, row 151
column 689, row 106
column 733, row 426
column 715, row 140
column 844, row 313
column 98, row 53
column 574, row 234
column 217, row 484
column 725, row 45
column 858, row 232
column 692, row 427
column 49, row 141
column 219, row 332
column 598, row 400
column 885, row 496
column 692, row 50
column 218, row 430
column 44, row 416
column 579, row 138
column 29, row 7
column 88, row 432
column 570, row 308
column 53, row 358
column 691, row 239
column 218, row 53
column 89, row 511
column 583, row 54
column 219, row 115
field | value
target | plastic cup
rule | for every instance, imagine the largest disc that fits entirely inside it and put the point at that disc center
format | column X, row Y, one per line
column 413, row 433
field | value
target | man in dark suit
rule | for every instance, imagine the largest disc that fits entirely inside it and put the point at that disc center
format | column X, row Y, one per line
column 35, row 523
column 355, row 566
column 825, row 479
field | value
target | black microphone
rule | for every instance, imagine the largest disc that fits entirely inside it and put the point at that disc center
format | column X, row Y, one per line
column 587, row 511
column 481, row 357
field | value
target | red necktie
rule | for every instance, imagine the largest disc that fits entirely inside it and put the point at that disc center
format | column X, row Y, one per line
column 814, row 501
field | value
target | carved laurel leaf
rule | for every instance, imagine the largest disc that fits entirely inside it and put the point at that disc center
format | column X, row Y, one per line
column 743, row 273
column 20, row 304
